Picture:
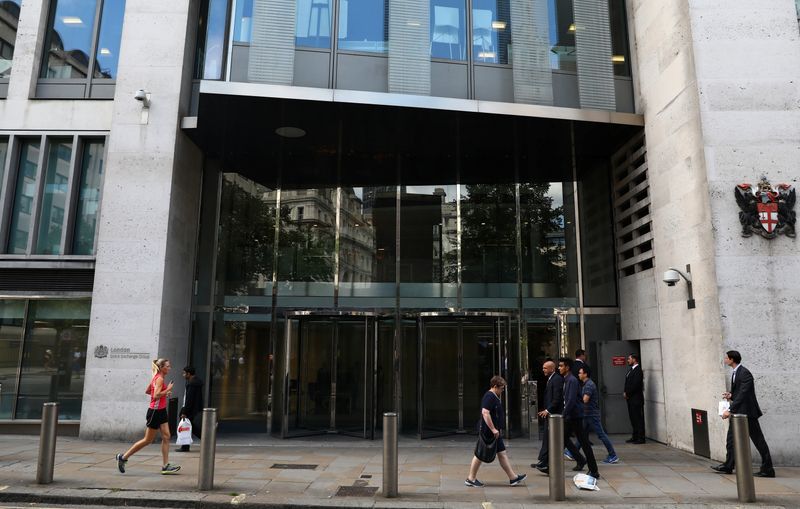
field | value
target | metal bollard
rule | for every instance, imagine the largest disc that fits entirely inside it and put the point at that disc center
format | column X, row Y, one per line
column 390, row 455
column 208, row 450
column 556, row 457
column 47, row 444
column 745, row 485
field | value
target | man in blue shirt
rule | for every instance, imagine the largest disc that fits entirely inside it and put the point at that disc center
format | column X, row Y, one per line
column 591, row 413
column 573, row 419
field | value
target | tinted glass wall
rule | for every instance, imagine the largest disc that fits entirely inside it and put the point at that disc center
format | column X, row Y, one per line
column 42, row 356
column 9, row 19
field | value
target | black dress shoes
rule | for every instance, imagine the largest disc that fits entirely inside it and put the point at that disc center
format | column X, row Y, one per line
column 640, row 441
column 722, row 469
column 538, row 465
column 578, row 467
column 630, row 440
column 544, row 470
column 770, row 473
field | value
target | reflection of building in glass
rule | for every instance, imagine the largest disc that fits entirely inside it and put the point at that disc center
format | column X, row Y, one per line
column 63, row 63
column 357, row 239
column 9, row 19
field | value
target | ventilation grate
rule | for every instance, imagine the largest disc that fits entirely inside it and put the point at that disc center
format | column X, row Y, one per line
column 47, row 280
column 356, row 491
column 632, row 222
column 293, row 466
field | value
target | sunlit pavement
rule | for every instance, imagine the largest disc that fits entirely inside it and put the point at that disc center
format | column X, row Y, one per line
column 258, row 472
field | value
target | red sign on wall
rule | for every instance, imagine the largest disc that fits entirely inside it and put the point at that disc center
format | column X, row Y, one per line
column 698, row 417
column 618, row 361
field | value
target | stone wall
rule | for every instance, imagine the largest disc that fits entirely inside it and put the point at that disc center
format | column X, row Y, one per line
column 146, row 243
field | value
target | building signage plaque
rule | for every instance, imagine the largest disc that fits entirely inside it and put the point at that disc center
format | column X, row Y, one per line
column 102, row 352
column 618, row 360
column 766, row 210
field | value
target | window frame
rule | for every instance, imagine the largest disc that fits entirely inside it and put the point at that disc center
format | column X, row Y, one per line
column 8, row 189
column 74, row 88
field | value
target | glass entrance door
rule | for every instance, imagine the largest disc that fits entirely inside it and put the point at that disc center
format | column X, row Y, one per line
column 328, row 375
column 458, row 355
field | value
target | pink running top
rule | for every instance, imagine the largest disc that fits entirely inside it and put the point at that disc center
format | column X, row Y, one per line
column 160, row 403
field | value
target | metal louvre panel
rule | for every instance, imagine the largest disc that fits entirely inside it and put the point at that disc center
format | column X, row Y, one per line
column 593, row 45
column 272, row 46
column 409, row 47
column 533, row 79
column 46, row 280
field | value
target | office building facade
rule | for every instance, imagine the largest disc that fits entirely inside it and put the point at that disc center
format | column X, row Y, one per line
column 337, row 208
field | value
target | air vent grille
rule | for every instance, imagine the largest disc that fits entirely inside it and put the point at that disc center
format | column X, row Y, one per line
column 46, row 280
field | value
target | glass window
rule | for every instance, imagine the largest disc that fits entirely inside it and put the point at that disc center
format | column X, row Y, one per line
column 429, row 244
column 243, row 21
column 3, row 154
column 70, row 39
column 619, row 38
column 367, row 251
column 22, row 212
column 54, row 358
column 214, row 55
column 54, row 197
column 88, row 198
column 12, row 314
column 363, row 25
column 9, row 19
column 563, row 55
column 313, row 24
column 488, row 239
column 448, row 29
column 108, row 43
column 491, row 31
column 246, row 237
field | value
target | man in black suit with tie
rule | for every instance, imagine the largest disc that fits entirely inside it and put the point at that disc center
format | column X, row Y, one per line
column 553, row 404
column 743, row 401
column 634, row 395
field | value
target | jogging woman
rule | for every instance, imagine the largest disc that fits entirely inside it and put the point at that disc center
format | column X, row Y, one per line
column 492, row 421
column 156, row 419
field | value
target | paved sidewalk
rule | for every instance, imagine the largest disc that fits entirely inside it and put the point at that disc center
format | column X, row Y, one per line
column 432, row 475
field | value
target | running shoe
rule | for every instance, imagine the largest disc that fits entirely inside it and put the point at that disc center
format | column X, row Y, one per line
column 568, row 455
column 170, row 469
column 120, row 463
column 473, row 484
column 519, row 479
column 612, row 458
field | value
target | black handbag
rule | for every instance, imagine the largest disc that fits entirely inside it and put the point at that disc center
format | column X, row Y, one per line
column 486, row 451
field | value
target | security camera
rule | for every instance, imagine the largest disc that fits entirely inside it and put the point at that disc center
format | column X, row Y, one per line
column 672, row 277
column 143, row 96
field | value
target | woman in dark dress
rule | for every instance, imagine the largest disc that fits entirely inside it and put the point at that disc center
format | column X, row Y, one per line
column 493, row 418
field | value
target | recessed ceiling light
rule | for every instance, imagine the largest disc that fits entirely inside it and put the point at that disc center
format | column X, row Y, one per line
column 571, row 27
column 486, row 54
column 499, row 25
column 290, row 132
column 72, row 20
column 618, row 59
column 105, row 51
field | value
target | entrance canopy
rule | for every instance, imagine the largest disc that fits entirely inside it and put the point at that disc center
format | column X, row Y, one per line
column 344, row 143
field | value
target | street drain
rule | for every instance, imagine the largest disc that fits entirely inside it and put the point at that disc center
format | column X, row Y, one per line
column 356, row 491
column 293, row 466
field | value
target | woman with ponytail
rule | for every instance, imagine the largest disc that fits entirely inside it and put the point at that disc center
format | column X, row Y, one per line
column 156, row 419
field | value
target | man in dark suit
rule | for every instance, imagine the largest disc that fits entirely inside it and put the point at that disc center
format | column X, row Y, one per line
column 192, row 403
column 634, row 395
column 553, row 404
column 579, row 362
column 573, row 420
column 743, row 400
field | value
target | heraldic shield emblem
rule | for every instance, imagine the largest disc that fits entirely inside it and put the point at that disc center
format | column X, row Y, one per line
column 766, row 210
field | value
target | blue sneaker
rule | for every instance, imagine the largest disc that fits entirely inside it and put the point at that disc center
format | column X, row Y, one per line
column 518, row 479
column 473, row 484
column 568, row 455
column 612, row 458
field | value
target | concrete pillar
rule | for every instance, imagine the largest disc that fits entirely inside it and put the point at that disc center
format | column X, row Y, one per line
column 148, row 222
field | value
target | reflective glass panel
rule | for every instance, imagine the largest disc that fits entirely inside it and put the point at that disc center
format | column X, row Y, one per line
column 54, row 197
column 313, row 24
column 12, row 314
column 363, row 25
column 54, row 358
column 9, row 19
column 428, row 244
column 22, row 213
column 70, row 39
column 306, row 258
column 619, row 38
column 246, row 237
column 243, row 21
column 491, row 31
column 88, row 208
column 546, row 226
column 563, row 56
column 488, row 239
column 367, row 252
column 108, row 42
column 598, row 253
column 213, row 57
column 448, row 29
column 3, row 154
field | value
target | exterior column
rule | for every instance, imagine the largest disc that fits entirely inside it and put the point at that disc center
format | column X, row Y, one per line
column 148, row 223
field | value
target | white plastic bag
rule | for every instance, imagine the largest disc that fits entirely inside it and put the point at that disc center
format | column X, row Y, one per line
column 184, row 432
column 585, row 482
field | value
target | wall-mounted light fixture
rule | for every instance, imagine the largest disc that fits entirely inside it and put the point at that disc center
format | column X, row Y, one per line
column 673, row 276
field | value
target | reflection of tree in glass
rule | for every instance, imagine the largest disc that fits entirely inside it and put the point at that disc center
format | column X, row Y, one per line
column 306, row 250
column 543, row 240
